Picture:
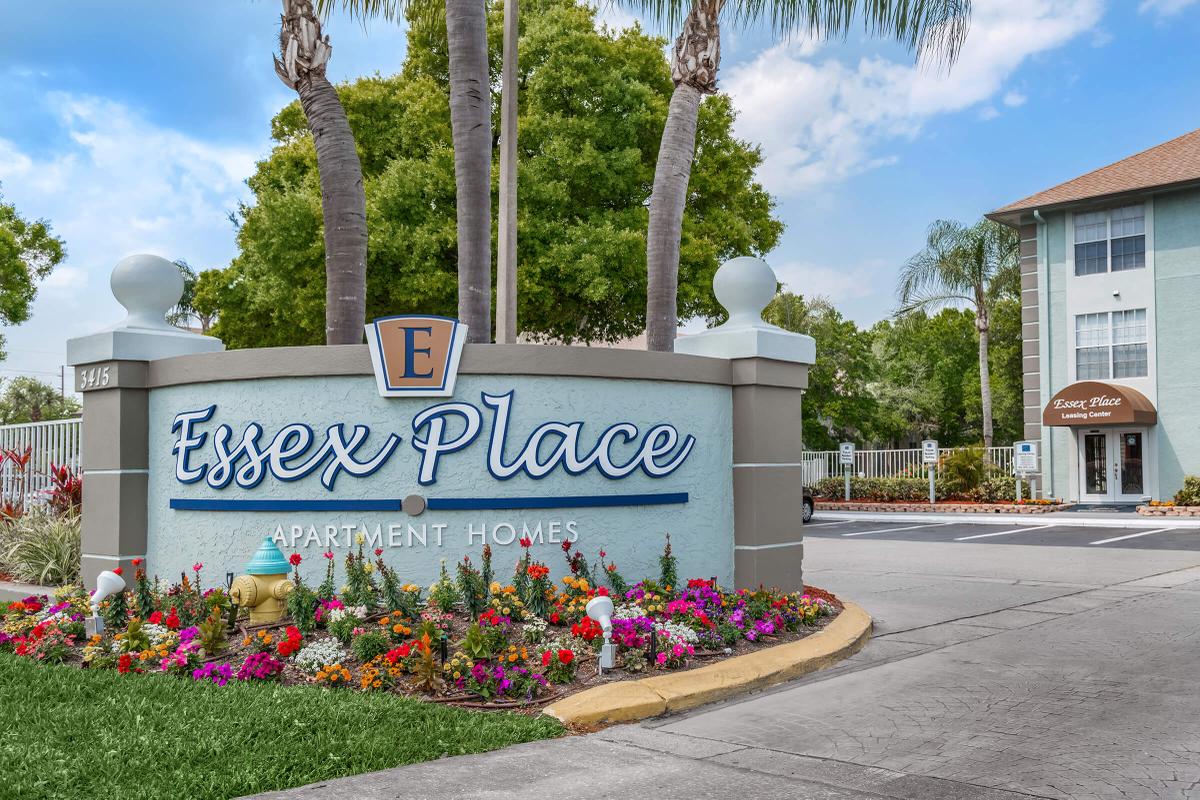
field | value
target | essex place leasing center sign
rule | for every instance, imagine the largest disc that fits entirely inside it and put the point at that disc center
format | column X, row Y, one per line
column 1097, row 403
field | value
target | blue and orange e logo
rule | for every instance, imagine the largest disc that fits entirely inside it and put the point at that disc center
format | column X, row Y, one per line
column 416, row 355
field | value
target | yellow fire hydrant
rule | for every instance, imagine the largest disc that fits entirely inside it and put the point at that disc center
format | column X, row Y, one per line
column 265, row 586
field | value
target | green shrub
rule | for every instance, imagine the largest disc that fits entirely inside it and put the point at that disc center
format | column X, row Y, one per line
column 1189, row 495
column 995, row 489
column 881, row 490
column 41, row 547
column 963, row 470
column 370, row 644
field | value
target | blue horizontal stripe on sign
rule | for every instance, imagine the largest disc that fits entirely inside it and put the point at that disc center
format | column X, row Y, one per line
column 577, row 501
column 182, row 504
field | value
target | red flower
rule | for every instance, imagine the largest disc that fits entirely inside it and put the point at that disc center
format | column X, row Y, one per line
column 124, row 663
column 603, row 554
column 602, row 591
column 554, row 618
column 328, row 554
column 566, row 547
column 294, row 559
column 197, row 566
column 155, row 618
column 378, row 551
column 566, row 656
column 525, row 541
column 172, row 621
column 611, row 568
column 546, row 659
column 117, row 571
column 137, row 562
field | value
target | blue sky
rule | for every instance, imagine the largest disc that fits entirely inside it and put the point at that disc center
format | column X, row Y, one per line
column 132, row 129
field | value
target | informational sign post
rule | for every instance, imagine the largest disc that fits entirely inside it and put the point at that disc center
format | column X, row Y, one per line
column 929, row 457
column 1025, row 465
column 846, row 458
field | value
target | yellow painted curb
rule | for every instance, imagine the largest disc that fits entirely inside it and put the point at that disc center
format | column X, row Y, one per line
column 626, row 701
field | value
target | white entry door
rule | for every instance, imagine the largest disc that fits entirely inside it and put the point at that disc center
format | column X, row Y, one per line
column 1111, row 465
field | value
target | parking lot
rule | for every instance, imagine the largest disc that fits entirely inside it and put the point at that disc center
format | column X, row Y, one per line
column 1054, row 533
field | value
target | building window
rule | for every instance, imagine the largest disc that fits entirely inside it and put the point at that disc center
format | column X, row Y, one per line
column 1110, row 241
column 1111, row 345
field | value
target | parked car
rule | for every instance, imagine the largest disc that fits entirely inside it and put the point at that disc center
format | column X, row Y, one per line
column 806, row 513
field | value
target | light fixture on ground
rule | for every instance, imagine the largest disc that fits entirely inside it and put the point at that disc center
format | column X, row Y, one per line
column 600, row 609
column 108, row 583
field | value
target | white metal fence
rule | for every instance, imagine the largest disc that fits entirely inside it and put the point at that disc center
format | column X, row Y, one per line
column 54, row 443
column 886, row 463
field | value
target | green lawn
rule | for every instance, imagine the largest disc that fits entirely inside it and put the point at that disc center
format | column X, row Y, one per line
column 66, row 732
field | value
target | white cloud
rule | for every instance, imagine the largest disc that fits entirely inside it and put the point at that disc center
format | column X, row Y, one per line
column 119, row 184
column 608, row 13
column 988, row 113
column 1014, row 99
column 838, row 284
column 821, row 121
column 1164, row 8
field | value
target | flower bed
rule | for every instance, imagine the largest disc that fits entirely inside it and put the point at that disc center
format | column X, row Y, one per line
column 466, row 639
column 952, row 507
column 1168, row 510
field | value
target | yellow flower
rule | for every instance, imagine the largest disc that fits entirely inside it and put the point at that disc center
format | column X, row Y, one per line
column 360, row 538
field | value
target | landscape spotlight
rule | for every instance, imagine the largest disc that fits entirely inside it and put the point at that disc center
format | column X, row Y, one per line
column 600, row 609
column 107, row 583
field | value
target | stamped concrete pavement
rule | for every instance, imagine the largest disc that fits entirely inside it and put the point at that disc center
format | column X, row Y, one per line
column 997, row 672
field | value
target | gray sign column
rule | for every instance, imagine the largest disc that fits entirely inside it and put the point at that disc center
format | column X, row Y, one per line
column 770, row 372
column 111, row 368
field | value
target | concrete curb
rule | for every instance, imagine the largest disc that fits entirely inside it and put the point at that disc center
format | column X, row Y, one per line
column 627, row 701
column 1078, row 519
column 11, row 591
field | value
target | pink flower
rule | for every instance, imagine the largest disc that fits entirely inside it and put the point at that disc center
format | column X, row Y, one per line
column 197, row 567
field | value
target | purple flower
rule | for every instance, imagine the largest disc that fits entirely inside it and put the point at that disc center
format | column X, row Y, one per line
column 188, row 634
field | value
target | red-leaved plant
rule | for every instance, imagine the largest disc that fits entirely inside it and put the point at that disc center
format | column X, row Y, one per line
column 66, row 490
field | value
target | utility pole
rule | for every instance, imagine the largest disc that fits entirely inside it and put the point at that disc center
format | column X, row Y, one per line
column 506, row 252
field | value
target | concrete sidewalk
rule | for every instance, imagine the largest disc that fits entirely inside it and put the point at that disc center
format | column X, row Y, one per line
column 1096, row 519
column 998, row 673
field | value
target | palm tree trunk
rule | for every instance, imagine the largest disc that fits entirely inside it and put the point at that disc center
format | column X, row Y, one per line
column 694, row 69
column 303, row 53
column 471, row 124
column 343, row 208
column 985, row 377
column 506, row 234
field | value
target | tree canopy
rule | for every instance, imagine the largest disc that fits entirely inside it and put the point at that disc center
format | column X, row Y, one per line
column 28, row 253
column 26, row 399
column 592, row 108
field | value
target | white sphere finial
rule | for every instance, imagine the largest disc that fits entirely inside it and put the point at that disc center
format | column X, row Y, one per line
column 148, row 286
column 744, row 286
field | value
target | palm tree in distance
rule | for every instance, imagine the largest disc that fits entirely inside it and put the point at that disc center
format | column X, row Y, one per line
column 934, row 28
column 303, row 54
column 471, row 130
column 972, row 266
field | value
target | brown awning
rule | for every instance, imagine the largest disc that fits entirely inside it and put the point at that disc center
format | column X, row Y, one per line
column 1098, row 403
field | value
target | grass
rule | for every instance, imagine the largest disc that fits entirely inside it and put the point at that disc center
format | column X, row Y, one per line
column 67, row 732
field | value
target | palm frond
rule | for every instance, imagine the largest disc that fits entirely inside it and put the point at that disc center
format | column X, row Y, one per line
column 935, row 29
column 424, row 12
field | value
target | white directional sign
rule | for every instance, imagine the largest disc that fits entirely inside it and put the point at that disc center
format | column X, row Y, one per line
column 929, row 451
column 1025, row 457
column 846, row 453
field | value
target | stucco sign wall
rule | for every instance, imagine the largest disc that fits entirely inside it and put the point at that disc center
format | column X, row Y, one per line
column 430, row 448
column 604, row 464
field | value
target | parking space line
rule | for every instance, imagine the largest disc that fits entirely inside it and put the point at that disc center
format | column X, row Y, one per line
column 822, row 524
column 893, row 530
column 1135, row 535
column 1004, row 533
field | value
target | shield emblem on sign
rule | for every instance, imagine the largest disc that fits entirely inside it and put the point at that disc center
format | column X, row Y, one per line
column 416, row 355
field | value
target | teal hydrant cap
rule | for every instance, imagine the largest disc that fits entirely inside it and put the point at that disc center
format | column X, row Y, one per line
column 268, row 560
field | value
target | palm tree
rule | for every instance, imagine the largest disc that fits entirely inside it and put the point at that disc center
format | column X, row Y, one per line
column 303, row 54
column 932, row 27
column 965, row 266
column 471, row 130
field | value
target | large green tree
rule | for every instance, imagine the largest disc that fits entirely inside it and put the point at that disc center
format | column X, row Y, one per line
column 28, row 253
column 592, row 111
column 838, row 405
column 935, row 28
column 976, row 267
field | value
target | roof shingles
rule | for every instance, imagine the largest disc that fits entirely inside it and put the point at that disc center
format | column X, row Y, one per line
column 1173, row 162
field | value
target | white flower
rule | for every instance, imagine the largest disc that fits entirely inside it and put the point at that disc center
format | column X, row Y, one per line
column 673, row 630
column 317, row 654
